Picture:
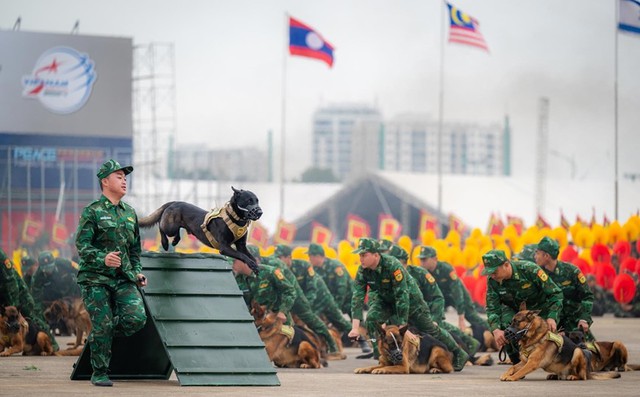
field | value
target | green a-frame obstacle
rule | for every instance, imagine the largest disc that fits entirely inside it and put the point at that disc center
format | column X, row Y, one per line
column 198, row 325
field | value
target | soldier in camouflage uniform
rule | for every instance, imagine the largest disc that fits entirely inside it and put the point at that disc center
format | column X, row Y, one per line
column 578, row 298
column 393, row 293
column 455, row 293
column 29, row 266
column 335, row 276
column 433, row 297
column 14, row 292
column 54, row 279
column 511, row 283
column 108, row 243
column 385, row 245
column 301, row 307
column 528, row 253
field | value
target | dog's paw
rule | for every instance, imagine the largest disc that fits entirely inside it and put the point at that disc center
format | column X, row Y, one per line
column 552, row 377
column 435, row 371
column 362, row 371
column 379, row 371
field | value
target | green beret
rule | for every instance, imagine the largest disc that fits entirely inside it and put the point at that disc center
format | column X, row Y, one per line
column 398, row 252
column 385, row 245
column 315, row 249
column 492, row 260
column 550, row 246
column 45, row 258
column 427, row 252
column 254, row 251
column 112, row 166
column 283, row 250
column 367, row 244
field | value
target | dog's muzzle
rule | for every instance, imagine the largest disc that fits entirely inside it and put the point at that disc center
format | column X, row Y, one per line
column 395, row 354
column 13, row 326
column 252, row 213
column 513, row 334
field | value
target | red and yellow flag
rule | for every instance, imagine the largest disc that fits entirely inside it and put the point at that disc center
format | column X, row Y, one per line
column 388, row 227
column 31, row 230
column 495, row 225
column 60, row 234
column 457, row 224
column 356, row 228
column 428, row 222
column 517, row 222
column 321, row 234
column 564, row 222
column 542, row 223
column 258, row 235
column 285, row 234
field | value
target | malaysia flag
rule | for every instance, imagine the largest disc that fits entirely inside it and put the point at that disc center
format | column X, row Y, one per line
column 464, row 29
column 306, row 42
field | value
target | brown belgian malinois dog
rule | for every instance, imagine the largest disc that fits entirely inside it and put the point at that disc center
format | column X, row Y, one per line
column 409, row 354
column 73, row 313
column 286, row 346
column 605, row 356
column 541, row 348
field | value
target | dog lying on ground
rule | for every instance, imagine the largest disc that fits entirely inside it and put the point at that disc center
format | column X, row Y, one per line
column 409, row 354
column 72, row 312
column 286, row 346
column 541, row 348
column 19, row 336
column 485, row 337
column 605, row 356
column 219, row 229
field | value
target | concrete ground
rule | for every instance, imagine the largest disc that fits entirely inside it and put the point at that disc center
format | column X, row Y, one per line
column 38, row 376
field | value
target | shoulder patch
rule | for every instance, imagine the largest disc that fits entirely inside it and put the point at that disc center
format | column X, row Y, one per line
column 542, row 275
column 430, row 278
column 581, row 278
column 525, row 286
column 339, row 271
column 398, row 275
column 310, row 271
column 264, row 285
column 278, row 274
column 7, row 263
column 566, row 282
column 453, row 275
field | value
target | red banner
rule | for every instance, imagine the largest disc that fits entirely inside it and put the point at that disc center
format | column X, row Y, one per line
column 31, row 230
column 456, row 224
column 60, row 234
column 285, row 234
column 428, row 222
column 495, row 225
column 356, row 228
column 258, row 235
column 388, row 227
column 564, row 222
column 542, row 223
column 517, row 222
column 321, row 234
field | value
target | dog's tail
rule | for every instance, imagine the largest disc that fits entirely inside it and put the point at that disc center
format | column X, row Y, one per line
column 604, row 375
column 484, row 360
column 632, row 367
column 70, row 352
column 154, row 217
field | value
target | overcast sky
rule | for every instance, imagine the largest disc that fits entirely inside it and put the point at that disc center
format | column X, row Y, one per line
column 229, row 61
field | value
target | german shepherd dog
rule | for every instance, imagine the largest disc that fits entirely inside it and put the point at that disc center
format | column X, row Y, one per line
column 217, row 232
column 485, row 337
column 19, row 336
column 419, row 354
column 72, row 312
column 288, row 347
column 541, row 348
column 605, row 356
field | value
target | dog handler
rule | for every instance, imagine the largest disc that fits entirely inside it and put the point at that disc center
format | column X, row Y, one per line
column 108, row 243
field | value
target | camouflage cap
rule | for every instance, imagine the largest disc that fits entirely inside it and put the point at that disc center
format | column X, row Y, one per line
column 385, row 245
column 254, row 251
column 527, row 253
column 492, row 260
column 315, row 249
column 367, row 244
column 282, row 250
column 398, row 252
column 550, row 246
column 112, row 166
column 427, row 252
column 45, row 258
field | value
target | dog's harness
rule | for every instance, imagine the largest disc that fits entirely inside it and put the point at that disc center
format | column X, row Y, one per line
column 287, row 331
column 230, row 218
column 555, row 338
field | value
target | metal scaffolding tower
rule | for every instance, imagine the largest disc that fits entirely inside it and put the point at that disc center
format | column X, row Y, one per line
column 542, row 149
column 154, row 119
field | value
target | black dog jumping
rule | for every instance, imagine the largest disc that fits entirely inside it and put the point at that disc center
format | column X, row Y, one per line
column 218, row 229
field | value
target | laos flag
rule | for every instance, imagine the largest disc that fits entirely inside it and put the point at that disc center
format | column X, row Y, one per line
column 306, row 42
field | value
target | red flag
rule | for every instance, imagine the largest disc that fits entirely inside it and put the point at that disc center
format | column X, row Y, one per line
column 60, row 234
column 564, row 222
column 579, row 220
column 307, row 42
column 517, row 222
column 31, row 230
column 457, row 224
column 495, row 225
column 427, row 222
column 320, row 234
column 388, row 227
column 285, row 234
column 605, row 220
column 258, row 235
column 542, row 223
column 593, row 218
column 356, row 228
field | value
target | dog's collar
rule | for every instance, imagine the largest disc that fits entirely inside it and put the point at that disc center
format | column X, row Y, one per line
column 228, row 208
column 226, row 213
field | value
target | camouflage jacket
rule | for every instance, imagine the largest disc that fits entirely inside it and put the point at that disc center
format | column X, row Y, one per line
column 529, row 284
column 430, row 291
column 103, row 228
column 9, row 291
column 389, row 283
column 578, row 297
column 53, row 281
column 306, row 278
column 338, row 280
column 450, row 285
column 270, row 288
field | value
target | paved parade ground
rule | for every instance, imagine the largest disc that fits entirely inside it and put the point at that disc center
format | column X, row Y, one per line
column 46, row 376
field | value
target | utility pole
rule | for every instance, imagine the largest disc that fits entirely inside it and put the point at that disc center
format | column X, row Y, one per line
column 542, row 149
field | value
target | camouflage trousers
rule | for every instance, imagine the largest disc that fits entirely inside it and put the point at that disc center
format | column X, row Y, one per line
column 116, row 309
column 302, row 309
column 471, row 314
column 380, row 313
column 327, row 306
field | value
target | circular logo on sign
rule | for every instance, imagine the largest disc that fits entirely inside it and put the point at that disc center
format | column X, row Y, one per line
column 61, row 79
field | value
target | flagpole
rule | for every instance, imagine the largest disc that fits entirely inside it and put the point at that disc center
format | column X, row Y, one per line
column 283, row 115
column 615, row 107
column 441, row 105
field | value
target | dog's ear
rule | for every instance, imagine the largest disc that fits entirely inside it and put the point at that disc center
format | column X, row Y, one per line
column 523, row 305
column 403, row 329
column 235, row 191
column 380, row 330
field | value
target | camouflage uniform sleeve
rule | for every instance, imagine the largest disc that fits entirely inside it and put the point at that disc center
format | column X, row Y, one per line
column 92, row 257
column 342, row 282
column 400, row 283
column 10, row 292
column 312, row 284
column 552, row 295
column 135, row 248
column 494, row 309
column 436, row 301
column 584, row 295
column 359, row 292
column 456, row 292
column 37, row 287
column 286, row 291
